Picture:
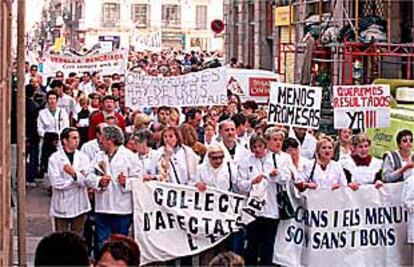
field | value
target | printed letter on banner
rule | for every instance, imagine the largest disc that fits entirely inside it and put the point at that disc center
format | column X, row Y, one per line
column 361, row 106
column 172, row 221
column 295, row 105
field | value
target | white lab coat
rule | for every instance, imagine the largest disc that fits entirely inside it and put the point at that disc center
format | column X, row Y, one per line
column 115, row 199
column 251, row 167
column 308, row 148
column 241, row 153
column 362, row 174
column 225, row 177
column 87, row 88
column 69, row 197
column 91, row 149
column 48, row 123
column 324, row 178
column 149, row 161
column 68, row 103
column 184, row 161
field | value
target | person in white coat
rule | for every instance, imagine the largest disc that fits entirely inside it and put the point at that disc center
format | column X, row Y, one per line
column 306, row 141
column 177, row 163
column 233, row 150
column 113, row 171
column 148, row 156
column 68, row 168
column 361, row 168
column 322, row 172
column 92, row 147
column 262, row 170
column 50, row 123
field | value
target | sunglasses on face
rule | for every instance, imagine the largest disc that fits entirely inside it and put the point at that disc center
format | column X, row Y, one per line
column 216, row 157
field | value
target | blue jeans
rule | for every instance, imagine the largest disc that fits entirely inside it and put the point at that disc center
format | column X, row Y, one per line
column 107, row 224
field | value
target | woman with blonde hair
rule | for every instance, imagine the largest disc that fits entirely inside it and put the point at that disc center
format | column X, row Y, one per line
column 361, row 168
column 323, row 171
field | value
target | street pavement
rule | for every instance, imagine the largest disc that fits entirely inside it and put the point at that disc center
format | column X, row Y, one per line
column 38, row 221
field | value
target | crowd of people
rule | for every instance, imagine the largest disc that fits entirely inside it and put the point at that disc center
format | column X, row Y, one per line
column 91, row 148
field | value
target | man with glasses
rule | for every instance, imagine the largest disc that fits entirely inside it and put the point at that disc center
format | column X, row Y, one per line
column 399, row 164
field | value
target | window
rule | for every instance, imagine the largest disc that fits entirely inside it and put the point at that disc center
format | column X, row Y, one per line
column 140, row 15
column 201, row 17
column 171, row 16
column 111, row 14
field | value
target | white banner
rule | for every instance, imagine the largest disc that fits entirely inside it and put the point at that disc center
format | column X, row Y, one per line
column 367, row 227
column 251, row 84
column 151, row 41
column 172, row 221
column 361, row 106
column 207, row 87
column 105, row 64
column 295, row 105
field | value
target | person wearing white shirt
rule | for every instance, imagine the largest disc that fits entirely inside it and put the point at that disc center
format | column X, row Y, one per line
column 148, row 156
column 399, row 165
column 322, row 172
column 306, row 141
column 68, row 168
column 291, row 147
column 86, row 86
column 92, row 147
column 361, row 168
column 177, row 163
column 262, row 170
column 114, row 170
column 342, row 148
column 50, row 123
column 233, row 150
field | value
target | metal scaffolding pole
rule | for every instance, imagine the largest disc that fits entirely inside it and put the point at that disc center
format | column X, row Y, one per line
column 21, row 132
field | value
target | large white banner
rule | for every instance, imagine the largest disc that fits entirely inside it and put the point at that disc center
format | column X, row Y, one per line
column 251, row 84
column 367, row 227
column 151, row 41
column 295, row 105
column 361, row 106
column 172, row 221
column 203, row 88
column 105, row 64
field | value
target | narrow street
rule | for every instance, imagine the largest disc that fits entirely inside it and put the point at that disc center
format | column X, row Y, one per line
column 38, row 222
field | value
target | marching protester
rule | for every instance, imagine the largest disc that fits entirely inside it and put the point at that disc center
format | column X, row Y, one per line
column 342, row 147
column 233, row 150
column 108, row 109
column 67, row 171
column 146, row 154
column 307, row 142
column 262, row 169
column 177, row 162
column 50, row 123
column 112, row 172
column 361, row 168
column 323, row 171
column 291, row 147
column 398, row 165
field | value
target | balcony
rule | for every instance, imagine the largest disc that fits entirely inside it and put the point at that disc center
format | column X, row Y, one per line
column 171, row 23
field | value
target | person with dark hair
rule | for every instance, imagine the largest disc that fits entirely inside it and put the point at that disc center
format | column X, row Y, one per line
column 62, row 249
column 86, row 85
column 100, row 116
column 114, row 169
column 398, row 165
column 194, row 117
column 117, row 253
column 163, row 115
column 240, row 122
column 50, row 123
column 65, row 101
column 307, row 142
column 342, row 147
column 249, row 107
column 291, row 146
column 67, row 171
column 227, row 259
column 32, row 137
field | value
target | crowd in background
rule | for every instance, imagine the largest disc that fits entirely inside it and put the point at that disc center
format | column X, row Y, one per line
column 76, row 125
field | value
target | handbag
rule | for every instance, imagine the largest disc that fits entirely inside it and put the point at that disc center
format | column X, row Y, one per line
column 286, row 210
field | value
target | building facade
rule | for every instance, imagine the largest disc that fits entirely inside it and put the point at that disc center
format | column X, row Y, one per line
column 185, row 24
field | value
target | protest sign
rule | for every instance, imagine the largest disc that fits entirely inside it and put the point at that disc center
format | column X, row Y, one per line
column 201, row 88
column 251, row 84
column 295, row 105
column 367, row 227
column 151, row 41
column 172, row 220
column 361, row 106
column 105, row 64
